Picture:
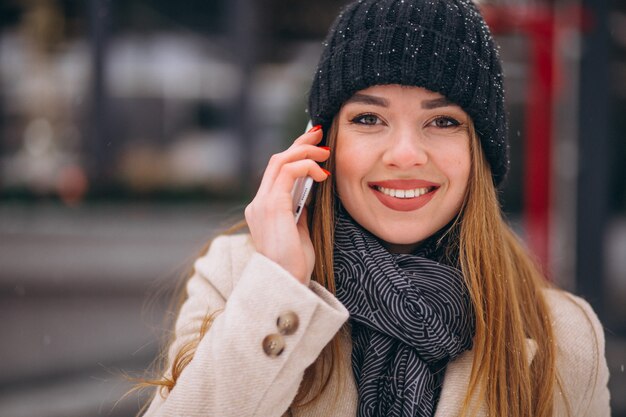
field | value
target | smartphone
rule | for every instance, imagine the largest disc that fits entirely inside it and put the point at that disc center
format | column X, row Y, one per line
column 301, row 189
column 300, row 193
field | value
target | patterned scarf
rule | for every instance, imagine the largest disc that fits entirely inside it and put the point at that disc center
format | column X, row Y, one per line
column 410, row 316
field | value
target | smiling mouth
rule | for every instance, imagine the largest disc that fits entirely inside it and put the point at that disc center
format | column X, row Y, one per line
column 404, row 194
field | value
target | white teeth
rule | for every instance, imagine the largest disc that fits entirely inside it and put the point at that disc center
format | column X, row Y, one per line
column 404, row 193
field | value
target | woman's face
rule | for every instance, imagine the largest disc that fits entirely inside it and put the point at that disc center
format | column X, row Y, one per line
column 402, row 162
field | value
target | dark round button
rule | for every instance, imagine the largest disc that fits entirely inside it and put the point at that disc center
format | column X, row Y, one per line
column 273, row 345
column 287, row 323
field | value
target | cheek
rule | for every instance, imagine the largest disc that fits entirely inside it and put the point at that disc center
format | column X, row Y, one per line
column 346, row 175
column 350, row 165
column 456, row 163
column 459, row 174
column 462, row 169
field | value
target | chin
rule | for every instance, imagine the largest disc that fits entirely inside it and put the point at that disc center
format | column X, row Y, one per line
column 400, row 237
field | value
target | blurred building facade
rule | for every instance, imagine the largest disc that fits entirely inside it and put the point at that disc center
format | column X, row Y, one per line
column 146, row 124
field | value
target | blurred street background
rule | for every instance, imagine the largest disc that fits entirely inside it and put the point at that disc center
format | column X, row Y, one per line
column 132, row 132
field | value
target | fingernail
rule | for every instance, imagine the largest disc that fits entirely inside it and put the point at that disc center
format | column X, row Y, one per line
column 315, row 128
column 326, row 172
column 325, row 147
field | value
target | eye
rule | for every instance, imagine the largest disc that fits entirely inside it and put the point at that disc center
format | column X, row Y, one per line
column 445, row 121
column 366, row 119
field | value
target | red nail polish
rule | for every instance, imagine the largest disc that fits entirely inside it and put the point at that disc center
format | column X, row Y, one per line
column 325, row 147
column 315, row 128
column 326, row 172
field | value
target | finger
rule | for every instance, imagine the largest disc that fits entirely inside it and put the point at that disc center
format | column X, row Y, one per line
column 294, row 170
column 294, row 153
column 312, row 136
column 297, row 152
column 278, row 194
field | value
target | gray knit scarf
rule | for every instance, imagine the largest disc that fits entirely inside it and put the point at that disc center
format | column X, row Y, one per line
column 410, row 316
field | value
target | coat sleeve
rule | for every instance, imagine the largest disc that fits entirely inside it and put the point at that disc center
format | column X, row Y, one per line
column 236, row 370
column 581, row 360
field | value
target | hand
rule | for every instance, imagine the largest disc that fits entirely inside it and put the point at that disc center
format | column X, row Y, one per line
column 270, row 218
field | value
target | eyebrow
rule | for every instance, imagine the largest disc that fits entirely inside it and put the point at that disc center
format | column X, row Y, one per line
column 437, row 102
column 383, row 102
column 367, row 99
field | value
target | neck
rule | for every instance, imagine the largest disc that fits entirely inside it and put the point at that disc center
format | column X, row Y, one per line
column 400, row 247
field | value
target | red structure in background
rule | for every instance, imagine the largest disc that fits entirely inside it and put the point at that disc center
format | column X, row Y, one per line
column 539, row 25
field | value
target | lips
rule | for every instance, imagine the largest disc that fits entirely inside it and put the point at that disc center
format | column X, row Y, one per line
column 404, row 195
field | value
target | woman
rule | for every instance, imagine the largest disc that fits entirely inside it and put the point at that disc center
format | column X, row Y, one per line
column 401, row 290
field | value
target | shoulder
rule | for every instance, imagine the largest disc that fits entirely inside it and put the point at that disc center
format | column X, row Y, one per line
column 572, row 315
column 580, row 346
column 577, row 330
column 576, row 326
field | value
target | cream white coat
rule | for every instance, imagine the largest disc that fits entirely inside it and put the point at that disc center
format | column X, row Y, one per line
column 231, row 375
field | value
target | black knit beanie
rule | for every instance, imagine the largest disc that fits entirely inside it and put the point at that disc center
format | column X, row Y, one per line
column 442, row 45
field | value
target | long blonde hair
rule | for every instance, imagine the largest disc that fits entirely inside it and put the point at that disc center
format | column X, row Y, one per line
column 505, row 287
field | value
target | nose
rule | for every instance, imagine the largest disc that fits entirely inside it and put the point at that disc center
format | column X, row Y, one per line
column 405, row 149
